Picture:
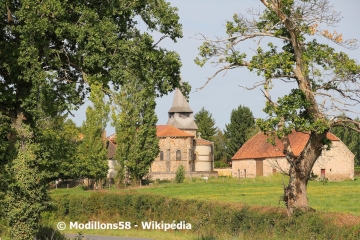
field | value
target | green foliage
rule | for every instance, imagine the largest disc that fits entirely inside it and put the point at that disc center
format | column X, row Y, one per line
column 135, row 125
column 237, row 132
column 58, row 140
column 291, row 111
column 180, row 174
column 206, row 124
column 46, row 233
column 51, row 53
column 350, row 138
column 221, row 221
column 357, row 171
column 220, row 157
column 26, row 194
column 221, row 164
column 92, row 152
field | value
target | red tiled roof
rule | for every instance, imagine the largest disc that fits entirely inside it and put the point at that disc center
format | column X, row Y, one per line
column 170, row 131
column 258, row 147
column 200, row 141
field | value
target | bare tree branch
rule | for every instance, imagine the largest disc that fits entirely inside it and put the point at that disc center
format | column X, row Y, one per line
column 165, row 36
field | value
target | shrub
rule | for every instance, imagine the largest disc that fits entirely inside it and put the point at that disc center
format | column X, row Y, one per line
column 180, row 174
column 220, row 164
column 357, row 171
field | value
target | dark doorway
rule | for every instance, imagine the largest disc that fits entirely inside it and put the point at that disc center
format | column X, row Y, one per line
column 322, row 175
column 259, row 167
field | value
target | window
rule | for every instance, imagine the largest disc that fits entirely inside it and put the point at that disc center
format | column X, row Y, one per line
column 178, row 155
column 161, row 155
column 184, row 115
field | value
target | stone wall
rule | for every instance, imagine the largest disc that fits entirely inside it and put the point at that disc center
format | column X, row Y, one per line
column 171, row 175
column 337, row 163
column 224, row 172
column 169, row 146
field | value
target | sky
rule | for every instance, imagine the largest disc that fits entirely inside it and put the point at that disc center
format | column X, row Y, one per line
column 223, row 93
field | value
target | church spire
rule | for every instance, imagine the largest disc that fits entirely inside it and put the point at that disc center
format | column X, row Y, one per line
column 179, row 103
column 181, row 115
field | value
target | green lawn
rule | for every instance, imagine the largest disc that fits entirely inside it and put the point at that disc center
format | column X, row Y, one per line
column 266, row 191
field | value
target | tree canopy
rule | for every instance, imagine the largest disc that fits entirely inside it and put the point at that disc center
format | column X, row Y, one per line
column 53, row 51
column 242, row 123
column 326, row 82
column 205, row 123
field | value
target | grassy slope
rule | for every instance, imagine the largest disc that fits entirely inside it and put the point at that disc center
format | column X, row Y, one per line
column 265, row 191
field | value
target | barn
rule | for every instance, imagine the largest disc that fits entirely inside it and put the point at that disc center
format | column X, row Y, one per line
column 257, row 157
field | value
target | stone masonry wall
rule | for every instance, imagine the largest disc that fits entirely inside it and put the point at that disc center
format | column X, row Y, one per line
column 171, row 175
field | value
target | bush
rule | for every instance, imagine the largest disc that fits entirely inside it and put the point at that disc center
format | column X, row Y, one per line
column 180, row 174
column 46, row 232
column 220, row 164
column 357, row 171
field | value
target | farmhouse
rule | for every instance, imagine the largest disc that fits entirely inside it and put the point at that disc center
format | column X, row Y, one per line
column 257, row 157
column 178, row 145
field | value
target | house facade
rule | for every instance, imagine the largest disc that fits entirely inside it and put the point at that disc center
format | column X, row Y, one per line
column 257, row 157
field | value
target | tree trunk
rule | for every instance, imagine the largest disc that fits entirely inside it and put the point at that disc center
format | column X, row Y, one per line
column 295, row 194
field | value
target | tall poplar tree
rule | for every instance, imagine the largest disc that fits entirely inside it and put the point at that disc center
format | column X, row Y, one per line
column 135, row 124
column 92, row 152
column 238, row 131
column 205, row 123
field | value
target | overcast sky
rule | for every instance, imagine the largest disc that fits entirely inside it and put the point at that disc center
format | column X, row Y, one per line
column 223, row 93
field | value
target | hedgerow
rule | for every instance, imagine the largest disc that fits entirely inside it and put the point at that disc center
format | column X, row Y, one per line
column 207, row 218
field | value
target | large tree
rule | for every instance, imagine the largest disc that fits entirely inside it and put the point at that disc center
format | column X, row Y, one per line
column 135, row 120
column 237, row 132
column 205, row 123
column 51, row 51
column 326, row 82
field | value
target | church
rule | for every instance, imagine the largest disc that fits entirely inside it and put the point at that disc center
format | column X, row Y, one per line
column 179, row 144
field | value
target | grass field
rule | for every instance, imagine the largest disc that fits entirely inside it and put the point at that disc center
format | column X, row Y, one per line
column 340, row 197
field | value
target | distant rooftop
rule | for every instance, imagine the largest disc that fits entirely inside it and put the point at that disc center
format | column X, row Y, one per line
column 257, row 146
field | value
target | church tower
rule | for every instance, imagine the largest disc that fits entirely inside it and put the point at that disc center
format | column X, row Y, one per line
column 181, row 115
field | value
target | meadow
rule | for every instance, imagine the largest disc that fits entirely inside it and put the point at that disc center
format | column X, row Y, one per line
column 219, row 208
column 342, row 197
column 339, row 197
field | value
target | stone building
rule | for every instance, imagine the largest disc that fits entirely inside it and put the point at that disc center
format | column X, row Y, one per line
column 257, row 157
column 179, row 145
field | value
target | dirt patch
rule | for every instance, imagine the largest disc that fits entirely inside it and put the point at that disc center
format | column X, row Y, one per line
column 342, row 219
